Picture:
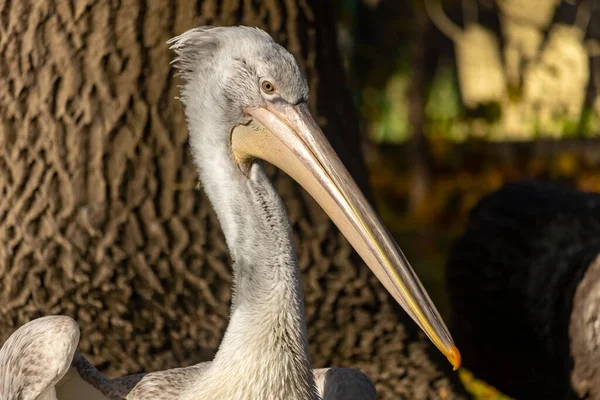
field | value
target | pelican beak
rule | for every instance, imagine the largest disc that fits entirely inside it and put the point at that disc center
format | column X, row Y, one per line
column 288, row 137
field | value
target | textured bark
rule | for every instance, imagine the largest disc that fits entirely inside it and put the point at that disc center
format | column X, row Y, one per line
column 525, row 292
column 99, row 218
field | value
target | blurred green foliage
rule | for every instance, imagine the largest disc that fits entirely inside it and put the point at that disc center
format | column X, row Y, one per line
column 444, row 108
column 389, row 110
column 479, row 389
column 378, row 51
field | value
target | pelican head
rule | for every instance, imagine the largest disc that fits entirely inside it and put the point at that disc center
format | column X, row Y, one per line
column 249, row 99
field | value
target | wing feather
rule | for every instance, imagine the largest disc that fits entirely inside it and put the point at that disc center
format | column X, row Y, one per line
column 36, row 356
column 344, row 384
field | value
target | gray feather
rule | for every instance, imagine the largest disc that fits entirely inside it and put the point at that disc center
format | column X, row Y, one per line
column 36, row 357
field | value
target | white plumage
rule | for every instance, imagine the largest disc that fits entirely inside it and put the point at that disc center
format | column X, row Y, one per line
column 39, row 362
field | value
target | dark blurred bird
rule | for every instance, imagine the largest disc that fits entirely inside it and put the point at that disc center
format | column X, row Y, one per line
column 524, row 284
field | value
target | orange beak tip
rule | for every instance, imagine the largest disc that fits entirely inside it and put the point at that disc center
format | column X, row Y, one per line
column 455, row 358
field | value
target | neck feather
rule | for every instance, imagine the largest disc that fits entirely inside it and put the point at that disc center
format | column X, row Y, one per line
column 266, row 339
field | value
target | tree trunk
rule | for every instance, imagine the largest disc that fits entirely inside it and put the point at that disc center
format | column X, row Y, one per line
column 99, row 218
column 420, row 157
column 524, row 283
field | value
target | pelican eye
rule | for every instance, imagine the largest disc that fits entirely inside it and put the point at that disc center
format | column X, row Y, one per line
column 268, row 87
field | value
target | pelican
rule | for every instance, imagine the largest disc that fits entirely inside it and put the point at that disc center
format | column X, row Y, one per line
column 246, row 100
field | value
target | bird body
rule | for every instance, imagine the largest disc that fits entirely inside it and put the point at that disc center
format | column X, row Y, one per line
column 534, row 244
column 39, row 362
column 245, row 99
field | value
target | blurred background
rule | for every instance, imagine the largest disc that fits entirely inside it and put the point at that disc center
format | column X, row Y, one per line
column 457, row 97
column 100, row 219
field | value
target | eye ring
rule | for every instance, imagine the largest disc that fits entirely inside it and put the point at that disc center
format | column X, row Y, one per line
column 268, row 87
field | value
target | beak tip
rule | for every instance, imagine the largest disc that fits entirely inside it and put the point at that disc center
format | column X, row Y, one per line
column 454, row 357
